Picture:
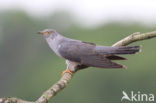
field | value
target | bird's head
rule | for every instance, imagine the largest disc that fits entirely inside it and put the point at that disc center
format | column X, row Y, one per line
column 48, row 32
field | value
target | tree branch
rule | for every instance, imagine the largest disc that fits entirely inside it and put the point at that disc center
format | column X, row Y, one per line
column 65, row 79
column 13, row 100
column 135, row 37
column 51, row 92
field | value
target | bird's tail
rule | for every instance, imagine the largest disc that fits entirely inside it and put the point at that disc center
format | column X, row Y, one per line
column 126, row 50
column 119, row 50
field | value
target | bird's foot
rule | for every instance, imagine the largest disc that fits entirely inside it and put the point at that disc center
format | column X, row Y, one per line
column 67, row 71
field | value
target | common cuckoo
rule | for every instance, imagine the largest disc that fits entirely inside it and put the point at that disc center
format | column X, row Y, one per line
column 80, row 55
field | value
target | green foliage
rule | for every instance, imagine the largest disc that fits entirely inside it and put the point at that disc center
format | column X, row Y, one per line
column 28, row 67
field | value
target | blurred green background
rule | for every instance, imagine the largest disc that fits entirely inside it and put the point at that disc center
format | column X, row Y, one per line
column 28, row 66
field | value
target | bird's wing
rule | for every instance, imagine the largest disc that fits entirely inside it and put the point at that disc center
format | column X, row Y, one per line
column 115, row 57
column 85, row 54
column 99, row 61
column 88, row 43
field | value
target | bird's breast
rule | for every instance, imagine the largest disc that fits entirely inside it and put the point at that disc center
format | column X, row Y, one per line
column 54, row 45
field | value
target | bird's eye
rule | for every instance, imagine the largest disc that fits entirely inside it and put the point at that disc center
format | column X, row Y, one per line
column 48, row 32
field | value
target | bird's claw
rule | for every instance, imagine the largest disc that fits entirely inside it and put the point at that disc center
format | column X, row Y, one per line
column 67, row 71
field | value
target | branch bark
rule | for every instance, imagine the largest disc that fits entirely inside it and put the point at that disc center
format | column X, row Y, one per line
column 65, row 79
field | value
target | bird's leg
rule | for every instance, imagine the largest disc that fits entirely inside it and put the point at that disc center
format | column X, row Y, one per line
column 68, row 70
column 71, row 67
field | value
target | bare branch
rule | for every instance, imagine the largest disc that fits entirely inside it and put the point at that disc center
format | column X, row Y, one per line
column 46, row 96
column 13, row 100
column 65, row 79
column 135, row 37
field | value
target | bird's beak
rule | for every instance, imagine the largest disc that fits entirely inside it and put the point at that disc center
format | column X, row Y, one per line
column 40, row 32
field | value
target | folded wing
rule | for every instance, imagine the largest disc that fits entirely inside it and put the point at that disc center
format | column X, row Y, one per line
column 85, row 54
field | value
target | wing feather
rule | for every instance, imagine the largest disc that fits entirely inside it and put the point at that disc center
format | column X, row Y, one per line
column 101, row 62
column 85, row 54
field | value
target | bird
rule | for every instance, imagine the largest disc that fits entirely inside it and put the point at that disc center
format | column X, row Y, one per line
column 80, row 54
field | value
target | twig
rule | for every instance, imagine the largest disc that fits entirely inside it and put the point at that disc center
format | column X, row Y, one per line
column 46, row 96
column 13, row 100
column 135, row 37
column 62, row 83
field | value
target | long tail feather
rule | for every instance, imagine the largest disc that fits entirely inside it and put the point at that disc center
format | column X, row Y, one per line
column 115, row 57
column 127, row 50
column 118, row 50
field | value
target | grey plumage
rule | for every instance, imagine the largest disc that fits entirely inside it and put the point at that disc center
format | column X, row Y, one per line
column 86, row 54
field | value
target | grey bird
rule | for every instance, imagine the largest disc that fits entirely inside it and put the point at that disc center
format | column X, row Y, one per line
column 80, row 55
